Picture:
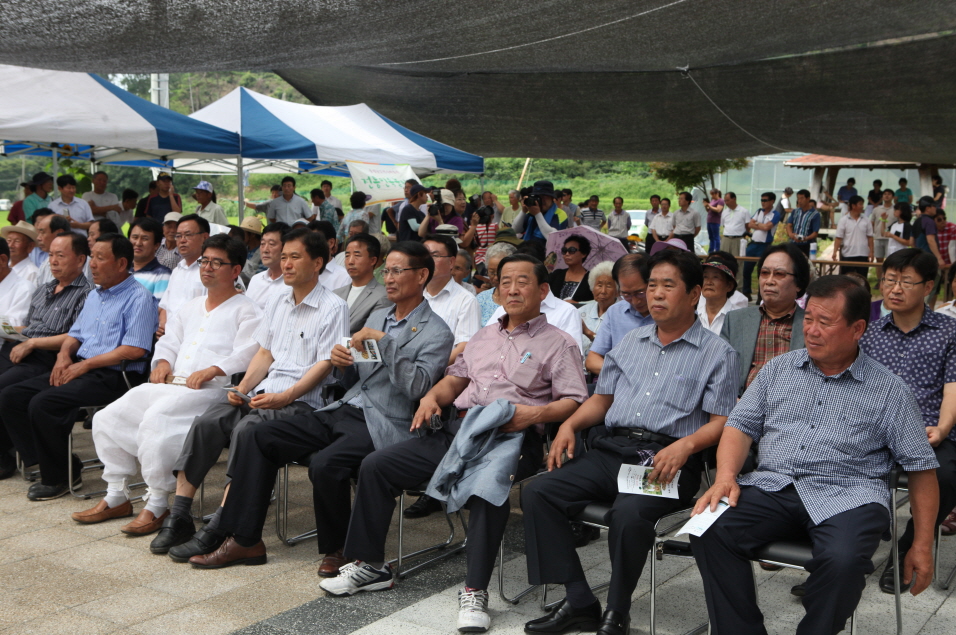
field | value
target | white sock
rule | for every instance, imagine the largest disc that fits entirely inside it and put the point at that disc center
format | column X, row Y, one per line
column 157, row 501
column 116, row 493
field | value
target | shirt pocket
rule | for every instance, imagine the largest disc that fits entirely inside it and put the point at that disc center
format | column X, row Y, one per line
column 305, row 354
column 527, row 375
column 683, row 392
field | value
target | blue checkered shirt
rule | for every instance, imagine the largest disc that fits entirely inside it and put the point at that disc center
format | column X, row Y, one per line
column 925, row 357
column 670, row 389
column 833, row 438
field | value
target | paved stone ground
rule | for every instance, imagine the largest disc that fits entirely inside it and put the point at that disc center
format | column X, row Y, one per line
column 60, row 577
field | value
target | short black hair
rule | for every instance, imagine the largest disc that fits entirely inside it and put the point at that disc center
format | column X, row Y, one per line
column 657, row 196
column 314, row 242
column 65, row 179
column 854, row 200
column 129, row 194
column 151, row 186
column 275, row 188
column 78, row 243
column 418, row 256
column 851, row 180
column 567, row 192
column 106, row 226
column 770, row 195
column 801, row 265
column 324, row 226
column 664, row 199
column 317, row 192
column 941, row 214
column 730, row 195
column 326, row 182
column 98, row 172
column 357, row 200
column 906, row 213
column 40, row 213
column 888, row 191
column 583, row 243
column 59, row 224
column 804, row 193
column 288, row 179
column 923, row 262
column 199, row 220
column 532, row 248
column 234, row 248
column 687, row 195
column 148, row 225
column 856, row 297
column 925, row 202
column 540, row 271
column 371, row 243
column 877, row 182
column 937, row 179
column 451, row 247
column 691, row 271
column 278, row 226
column 119, row 245
column 630, row 263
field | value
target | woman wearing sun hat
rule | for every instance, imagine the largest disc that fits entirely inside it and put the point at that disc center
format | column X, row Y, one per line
column 719, row 294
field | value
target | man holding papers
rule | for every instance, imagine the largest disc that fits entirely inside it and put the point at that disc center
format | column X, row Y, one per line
column 206, row 341
column 663, row 396
column 831, row 423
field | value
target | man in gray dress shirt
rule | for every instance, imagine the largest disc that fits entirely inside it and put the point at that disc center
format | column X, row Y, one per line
column 831, row 423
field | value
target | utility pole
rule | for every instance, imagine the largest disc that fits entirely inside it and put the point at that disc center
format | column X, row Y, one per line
column 159, row 89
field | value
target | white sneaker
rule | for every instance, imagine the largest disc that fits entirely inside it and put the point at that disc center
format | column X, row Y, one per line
column 473, row 611
column 353, row 578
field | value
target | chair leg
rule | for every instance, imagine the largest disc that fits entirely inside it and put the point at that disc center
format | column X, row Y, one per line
column 895, row 555
column 501, row 579
column 653, row 617
column 447, row 548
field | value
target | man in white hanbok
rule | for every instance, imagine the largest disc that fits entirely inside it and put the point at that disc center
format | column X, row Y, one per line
column 209, row 339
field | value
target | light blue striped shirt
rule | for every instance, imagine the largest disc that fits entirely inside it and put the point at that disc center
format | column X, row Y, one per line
column 123, row 315
column 155, row 277
column 670, row 389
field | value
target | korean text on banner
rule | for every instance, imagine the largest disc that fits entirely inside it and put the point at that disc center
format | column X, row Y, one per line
column 384, row 182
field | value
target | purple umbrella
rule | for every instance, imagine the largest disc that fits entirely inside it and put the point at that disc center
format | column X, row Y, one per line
column 604, row 248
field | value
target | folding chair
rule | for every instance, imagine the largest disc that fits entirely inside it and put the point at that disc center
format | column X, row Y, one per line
column 448, row 547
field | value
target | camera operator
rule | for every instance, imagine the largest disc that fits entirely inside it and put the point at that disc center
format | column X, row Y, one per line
column 482, row 228
column 539, row 202
column 442, row 212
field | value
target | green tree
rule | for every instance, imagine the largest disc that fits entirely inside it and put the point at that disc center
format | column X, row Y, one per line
column 686, row 175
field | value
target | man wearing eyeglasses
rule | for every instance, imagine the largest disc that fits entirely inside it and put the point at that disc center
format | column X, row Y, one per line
column 762, row 225
column 630, row 274
column 919, row 346
column 184, row 283
column 208, row 339
column 374, row 413
column 760, row 333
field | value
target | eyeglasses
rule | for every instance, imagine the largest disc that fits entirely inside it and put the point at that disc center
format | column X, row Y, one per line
column 569, row 250
column 213, row 263
column 627, row 295
column 185, row 235
column 906, row 285
column 397, row 271
column 775, row 274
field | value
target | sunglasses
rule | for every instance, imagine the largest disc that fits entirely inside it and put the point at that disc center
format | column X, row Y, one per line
column 569, row 250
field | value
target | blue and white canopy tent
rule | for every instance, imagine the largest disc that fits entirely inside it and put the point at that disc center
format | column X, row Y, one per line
column 57, row 113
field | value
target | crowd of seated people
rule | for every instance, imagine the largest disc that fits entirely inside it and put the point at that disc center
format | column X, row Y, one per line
column 190, row 342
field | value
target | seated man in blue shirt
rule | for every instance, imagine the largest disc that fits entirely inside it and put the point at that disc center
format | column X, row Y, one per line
column 663, row 396
column 116, row 325
column 831, row 423
column 630, row 273
column 919, row 346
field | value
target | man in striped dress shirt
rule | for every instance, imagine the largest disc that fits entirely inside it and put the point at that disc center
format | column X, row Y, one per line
column 116, row 325
column 663, row 396
column 831, row 423
column 53, row 309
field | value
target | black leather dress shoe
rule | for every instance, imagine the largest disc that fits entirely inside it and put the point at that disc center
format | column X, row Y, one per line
column 424, row 506
column 799, row 590
column 41, row 492
column 886, row 579
column 203, row 541
column 614, row 623
column 175, row 531
column 564, row 617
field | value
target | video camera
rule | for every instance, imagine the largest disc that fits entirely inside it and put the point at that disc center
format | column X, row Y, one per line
column 435, row 208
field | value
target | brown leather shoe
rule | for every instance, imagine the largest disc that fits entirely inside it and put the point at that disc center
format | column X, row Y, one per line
column 101, row 511
column 144, row 524
column 329, row 567
column 230, row 553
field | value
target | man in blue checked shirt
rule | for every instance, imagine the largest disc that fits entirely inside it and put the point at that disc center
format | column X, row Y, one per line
column 664, row 394
column 831, row 423
column 919, row 345
column 116, row 324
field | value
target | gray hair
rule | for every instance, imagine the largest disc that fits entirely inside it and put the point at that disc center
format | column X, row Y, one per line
column 515, row 192
column 500, row 250
column 468, row 258
column 600, row 269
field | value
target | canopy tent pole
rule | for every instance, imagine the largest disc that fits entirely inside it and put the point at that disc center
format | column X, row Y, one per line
column 56, row 162
column 524, row 170
column 241, row 198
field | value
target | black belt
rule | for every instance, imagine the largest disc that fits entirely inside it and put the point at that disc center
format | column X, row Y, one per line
column 726, row 236
column 640, row 434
